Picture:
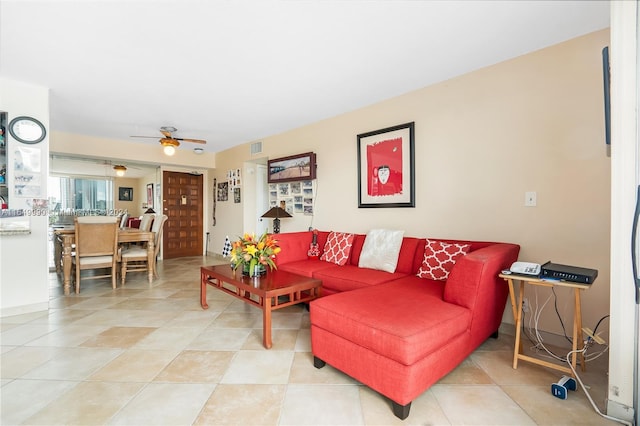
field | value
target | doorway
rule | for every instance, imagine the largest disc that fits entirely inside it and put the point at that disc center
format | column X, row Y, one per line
column 182, row 202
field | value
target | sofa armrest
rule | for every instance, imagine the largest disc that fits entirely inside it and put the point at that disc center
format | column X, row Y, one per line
column 474, row 278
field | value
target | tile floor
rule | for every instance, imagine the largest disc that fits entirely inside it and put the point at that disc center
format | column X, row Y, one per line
column 148, row 354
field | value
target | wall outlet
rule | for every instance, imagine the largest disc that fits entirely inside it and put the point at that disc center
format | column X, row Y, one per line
column 525, row 305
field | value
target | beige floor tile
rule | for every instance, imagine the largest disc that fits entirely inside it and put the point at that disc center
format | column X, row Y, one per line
column 199, row 319
column 303, row 372
column 499, row 366
column 262, row 367
column 25, row 333
column 281, row 340
column 156, row 293
column 20, row 360
column 377, row 410
column 229, row 404
column 467, row 373
column 73, row 364
column 129, row 318
column 220, row 339
column 169, row 338
column 23, row 318
column 61, row 316
column 479, row 405
column 546, row 409
column 321, row 405
column 303, row 343
column 68, row 336
column 118, row 337
column 88, row 403
column 165, row 404
column 134, row 365
column 92, row 303
column 196, row 367
column 238, row 320
column 20, row 399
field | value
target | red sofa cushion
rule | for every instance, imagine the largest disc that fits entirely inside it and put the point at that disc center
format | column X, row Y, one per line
column 306, row 267
column 349, row 277
column 411, row 320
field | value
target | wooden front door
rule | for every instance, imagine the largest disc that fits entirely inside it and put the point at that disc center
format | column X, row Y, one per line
column 182, row 201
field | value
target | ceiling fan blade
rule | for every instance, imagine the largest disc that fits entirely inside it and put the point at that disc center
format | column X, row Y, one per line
column 191, row 140
column 151, row 137
column 166, row 133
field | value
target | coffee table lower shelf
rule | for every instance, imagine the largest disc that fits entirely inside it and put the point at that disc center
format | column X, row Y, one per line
column 264, row 292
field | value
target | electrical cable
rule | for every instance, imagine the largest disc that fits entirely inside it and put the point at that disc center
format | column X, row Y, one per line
column 586, row 392
column 555, row 304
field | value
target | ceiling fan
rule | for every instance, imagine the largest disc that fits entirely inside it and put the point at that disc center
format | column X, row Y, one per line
column 169, row 143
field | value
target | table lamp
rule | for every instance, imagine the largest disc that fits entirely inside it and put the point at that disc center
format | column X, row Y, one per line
column 276, row 213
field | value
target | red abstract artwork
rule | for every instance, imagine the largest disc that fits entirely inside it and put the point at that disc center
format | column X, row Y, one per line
column 384, row 168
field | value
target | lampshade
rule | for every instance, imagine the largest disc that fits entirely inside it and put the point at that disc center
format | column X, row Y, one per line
column 276, row 212
column 169, row 145
column 120, row 170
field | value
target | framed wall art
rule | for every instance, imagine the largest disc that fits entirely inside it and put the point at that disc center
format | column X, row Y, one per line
column 125, row 193
column 292, row 168
column 150, row 195
column 386, row 169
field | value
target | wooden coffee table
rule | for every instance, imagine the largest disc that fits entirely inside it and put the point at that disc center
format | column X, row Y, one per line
column 266, row 290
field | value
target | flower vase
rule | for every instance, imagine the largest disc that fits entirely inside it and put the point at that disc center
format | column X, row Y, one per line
column 253, row 269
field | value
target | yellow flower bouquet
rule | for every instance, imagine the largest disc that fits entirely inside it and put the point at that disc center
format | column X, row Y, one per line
column 253, row 254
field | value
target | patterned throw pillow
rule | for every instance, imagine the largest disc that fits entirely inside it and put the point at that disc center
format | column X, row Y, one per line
column 439, row 258
column 337, row 248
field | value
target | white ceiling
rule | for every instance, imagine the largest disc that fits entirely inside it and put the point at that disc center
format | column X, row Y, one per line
column 237, row 71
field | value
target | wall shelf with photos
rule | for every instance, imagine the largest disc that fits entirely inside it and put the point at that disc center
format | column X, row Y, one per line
column 295, row 197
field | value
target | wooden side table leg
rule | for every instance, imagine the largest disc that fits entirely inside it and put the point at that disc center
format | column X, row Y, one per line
column 518, row 344
column 266, row 322
column 578, row 339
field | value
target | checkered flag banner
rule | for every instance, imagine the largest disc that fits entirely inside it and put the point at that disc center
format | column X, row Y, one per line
column 226, row 250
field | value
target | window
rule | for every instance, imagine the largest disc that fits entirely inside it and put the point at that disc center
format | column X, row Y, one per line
column 79, row 196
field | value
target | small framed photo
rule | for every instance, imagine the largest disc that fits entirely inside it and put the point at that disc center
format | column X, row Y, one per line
column 125, row 193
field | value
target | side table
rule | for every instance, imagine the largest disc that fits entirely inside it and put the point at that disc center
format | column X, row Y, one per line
column 517, row 314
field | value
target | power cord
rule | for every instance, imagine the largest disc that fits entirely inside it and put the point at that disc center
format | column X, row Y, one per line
column 584, row 388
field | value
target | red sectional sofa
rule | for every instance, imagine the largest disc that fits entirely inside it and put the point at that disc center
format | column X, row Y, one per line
column 395, row 332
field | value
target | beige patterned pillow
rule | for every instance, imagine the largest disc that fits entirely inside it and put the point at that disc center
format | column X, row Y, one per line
column 381, row 249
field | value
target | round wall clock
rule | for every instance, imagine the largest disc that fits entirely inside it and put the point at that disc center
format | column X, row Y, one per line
column 27, row 130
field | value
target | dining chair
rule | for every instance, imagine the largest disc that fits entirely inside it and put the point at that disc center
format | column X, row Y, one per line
column 96, row 246
column 123, row 220
column 147, row 220
column 134, row 258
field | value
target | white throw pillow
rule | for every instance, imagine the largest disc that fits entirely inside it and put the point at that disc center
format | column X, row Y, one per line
column 381, row 250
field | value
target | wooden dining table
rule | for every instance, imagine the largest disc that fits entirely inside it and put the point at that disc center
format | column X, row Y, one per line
column 64, row 238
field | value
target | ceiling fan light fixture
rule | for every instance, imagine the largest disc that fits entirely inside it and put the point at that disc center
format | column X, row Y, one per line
column 169, row 146
column 120, row 170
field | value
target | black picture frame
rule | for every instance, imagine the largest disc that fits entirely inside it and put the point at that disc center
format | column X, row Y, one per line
column 292, row 168
column 125, row 193
column 386, row 167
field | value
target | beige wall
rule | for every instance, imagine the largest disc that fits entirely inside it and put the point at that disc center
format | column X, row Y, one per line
column 534, row 123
